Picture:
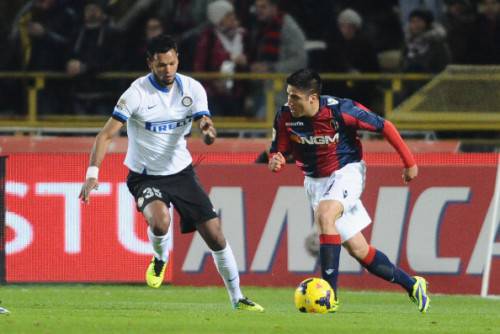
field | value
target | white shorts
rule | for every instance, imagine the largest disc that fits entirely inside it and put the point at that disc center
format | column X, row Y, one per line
column 344, row 185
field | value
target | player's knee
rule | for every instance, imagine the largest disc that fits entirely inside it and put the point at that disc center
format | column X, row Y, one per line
column 325, row 221
column 159, row 224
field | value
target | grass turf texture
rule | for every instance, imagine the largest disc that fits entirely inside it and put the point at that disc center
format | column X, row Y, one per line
column 138, row 309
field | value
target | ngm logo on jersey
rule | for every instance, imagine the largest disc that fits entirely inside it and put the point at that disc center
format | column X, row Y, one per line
column 166, row 126
column 315, row 140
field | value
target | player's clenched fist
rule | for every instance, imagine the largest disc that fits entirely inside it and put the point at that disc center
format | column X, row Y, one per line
column 410, row 173
column 276, row 162
column 208, row 130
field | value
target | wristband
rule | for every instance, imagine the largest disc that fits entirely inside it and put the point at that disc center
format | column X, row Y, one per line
column 92, row 172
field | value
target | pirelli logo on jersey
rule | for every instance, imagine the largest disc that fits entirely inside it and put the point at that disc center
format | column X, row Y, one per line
column 167, row 126
column 315, row 140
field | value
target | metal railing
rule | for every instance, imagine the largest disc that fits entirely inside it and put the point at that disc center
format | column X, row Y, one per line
column 37, row 81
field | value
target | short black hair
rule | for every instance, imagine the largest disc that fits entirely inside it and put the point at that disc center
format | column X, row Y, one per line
column 305, row 79
column 423, row 14
column 160, row 44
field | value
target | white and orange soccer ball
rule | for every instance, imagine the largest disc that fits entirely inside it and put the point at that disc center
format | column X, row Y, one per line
column 314, row 295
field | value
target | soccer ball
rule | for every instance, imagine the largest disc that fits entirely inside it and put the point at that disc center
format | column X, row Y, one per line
column 314, row 295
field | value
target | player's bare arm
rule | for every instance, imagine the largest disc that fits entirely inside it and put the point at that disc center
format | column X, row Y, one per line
column 208, row 130
column 276, row 162
column 102, row 141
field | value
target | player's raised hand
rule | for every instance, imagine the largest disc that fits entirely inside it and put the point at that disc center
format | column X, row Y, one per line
column 276, row 162
column 410, row 173
column 208, row 130
column 89, row 185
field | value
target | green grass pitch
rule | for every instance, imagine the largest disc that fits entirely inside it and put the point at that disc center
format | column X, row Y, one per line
column 137, row 309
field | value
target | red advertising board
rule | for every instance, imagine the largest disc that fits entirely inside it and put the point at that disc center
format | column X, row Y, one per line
column 52, row 237
column 436, row 226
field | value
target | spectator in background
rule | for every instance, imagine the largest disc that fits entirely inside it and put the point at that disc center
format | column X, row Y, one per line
column 486, row 36
column 95, row 49
column 221, row 48
column 426, row 49
column 458, row 22
column 276, row 45
column 406, row 7
column 352, row 52
column 41, row 35
column 39, row 41
column 313, row 16
column 153, row 27
column 184, row 19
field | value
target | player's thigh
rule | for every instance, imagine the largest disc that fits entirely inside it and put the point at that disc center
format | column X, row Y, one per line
column 192, row 202
column 346, row 185
column 146, row 190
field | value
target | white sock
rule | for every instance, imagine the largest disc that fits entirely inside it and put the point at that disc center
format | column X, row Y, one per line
column 160, row 245
column 226, row 265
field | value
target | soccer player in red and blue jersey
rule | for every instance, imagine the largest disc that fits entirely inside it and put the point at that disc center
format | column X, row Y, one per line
column 321, row 134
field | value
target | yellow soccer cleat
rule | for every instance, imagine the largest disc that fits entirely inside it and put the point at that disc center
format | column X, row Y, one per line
column 419, row 294
column 334, row 307
column 155, row 273
column 246, row 304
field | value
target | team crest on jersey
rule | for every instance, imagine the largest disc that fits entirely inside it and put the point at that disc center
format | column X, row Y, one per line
column 121, row 104
column 331, row 101
column 187, row 101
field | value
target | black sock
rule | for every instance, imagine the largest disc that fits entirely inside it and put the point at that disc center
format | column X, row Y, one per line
column 329, row 255
column 378, row 264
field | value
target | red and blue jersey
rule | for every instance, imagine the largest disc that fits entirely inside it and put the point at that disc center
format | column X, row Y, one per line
column 329, row 140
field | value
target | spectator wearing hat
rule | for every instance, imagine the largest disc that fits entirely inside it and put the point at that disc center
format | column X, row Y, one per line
column 425, row 44
column 221, row 48
column 350, row 51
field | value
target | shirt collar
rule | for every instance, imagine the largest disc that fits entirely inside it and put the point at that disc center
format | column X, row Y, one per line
column 165, row 89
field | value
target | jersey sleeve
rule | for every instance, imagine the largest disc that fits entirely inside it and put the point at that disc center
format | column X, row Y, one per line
column 392, row 135
column 359, row 117
column 280, row 140
column 200, row 102
column 127, row 105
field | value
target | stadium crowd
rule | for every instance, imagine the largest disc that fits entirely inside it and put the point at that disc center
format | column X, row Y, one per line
column 82, row 38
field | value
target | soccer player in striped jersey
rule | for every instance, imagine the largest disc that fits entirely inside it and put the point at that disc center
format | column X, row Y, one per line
column 159, row 109
column 321, row 134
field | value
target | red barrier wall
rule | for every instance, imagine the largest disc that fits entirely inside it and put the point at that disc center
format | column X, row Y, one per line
column 435, row 227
